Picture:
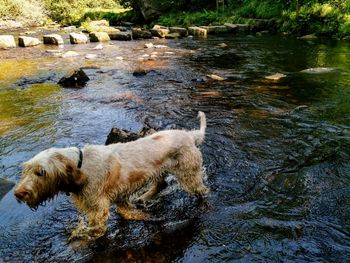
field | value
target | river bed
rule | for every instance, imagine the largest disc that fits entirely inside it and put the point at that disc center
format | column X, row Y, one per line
column 276, row 153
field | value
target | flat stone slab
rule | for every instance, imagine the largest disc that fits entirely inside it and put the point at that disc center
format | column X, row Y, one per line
column 180, row 30
column 139, row 33
column 7, row 41
column 160, row 31
column 216, row 29
column 231, row 27
column 78, row 38
column 122, row 36
column 99, row 37
column 28, row 41
column 197, row 31
column 53, row 39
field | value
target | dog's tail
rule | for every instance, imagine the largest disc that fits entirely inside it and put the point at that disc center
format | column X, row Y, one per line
column 198, row 135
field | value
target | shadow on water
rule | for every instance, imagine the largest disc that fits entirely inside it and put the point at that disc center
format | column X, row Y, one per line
column 276, row 153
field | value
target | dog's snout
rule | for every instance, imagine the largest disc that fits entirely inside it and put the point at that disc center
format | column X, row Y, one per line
column 21, row 193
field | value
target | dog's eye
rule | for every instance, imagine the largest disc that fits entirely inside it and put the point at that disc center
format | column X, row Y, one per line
column 40, row 173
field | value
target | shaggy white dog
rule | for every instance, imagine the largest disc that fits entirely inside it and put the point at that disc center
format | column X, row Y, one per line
column 99, row 175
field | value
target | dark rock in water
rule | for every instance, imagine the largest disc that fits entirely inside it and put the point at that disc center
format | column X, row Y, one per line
column 139, row 33
column 123, row 36
column 139, row 72
column 77, row 79
column 5, row 186
column 120, row 135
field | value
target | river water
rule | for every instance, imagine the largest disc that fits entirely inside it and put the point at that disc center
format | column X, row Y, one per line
column 276, row 153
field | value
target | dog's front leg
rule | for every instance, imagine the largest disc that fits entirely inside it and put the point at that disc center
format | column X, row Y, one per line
column 97, row 222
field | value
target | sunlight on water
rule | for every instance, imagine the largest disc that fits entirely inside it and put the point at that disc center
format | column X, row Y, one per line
column 276, row 152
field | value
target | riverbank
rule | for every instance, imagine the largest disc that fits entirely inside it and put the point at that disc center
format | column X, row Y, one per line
column 329, row 19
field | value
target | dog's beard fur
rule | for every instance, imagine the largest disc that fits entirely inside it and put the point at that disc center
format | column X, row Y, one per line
column 44, row 180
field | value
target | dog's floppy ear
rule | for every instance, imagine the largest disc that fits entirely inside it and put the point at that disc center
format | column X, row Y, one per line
column 72, row 179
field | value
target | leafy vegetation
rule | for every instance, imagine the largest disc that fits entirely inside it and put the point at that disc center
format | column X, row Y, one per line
column 290, row 16
column 31, row 11
column 324, row 17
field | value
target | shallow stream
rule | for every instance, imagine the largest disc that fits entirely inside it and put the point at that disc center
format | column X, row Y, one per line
column 276, row 153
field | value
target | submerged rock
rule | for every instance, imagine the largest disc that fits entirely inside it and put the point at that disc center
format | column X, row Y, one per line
column 78, row 38
column 276, row 77
column 90, row 56
column 320, row 70
column 139, row 72
column 172, row 35
column 53, row 39
column 70, row 54
column 149, row 45
column 7, row 41
column 28, row 41
column 75, row 79
column 215, row 77
column 98, row 47
column 222, row 45
column 308, row 37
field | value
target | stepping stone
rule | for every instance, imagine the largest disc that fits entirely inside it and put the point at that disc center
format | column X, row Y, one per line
column 123, row 36
column 197, row 31
column 99, row 37
column 7, row 41
column 78, row 38
column 53, row 39
column 139, row 33
column 28, row 41
column 180, row 30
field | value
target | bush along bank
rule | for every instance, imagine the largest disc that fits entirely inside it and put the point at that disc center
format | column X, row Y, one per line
column 321, row 19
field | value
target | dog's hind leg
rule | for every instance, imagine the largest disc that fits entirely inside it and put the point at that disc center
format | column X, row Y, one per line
column 189, row 172
column 128, row 212
column 192, row 182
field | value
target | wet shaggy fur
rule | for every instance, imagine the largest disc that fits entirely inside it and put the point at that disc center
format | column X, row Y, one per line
column 110, row 174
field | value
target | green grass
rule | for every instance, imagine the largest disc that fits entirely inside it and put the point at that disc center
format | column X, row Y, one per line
column 114, row 16
column 328, row 18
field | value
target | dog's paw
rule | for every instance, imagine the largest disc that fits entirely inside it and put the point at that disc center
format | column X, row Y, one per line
column 132, row 214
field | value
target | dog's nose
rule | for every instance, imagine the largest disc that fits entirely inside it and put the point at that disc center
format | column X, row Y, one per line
column 21, row 193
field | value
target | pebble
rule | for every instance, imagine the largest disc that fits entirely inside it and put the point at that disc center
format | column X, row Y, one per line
column 149, row 45
column 91, row 56
column 98, row 47
column 215, row 77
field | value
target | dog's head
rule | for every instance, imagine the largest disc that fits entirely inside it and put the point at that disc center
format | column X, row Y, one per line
column 48, row 173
